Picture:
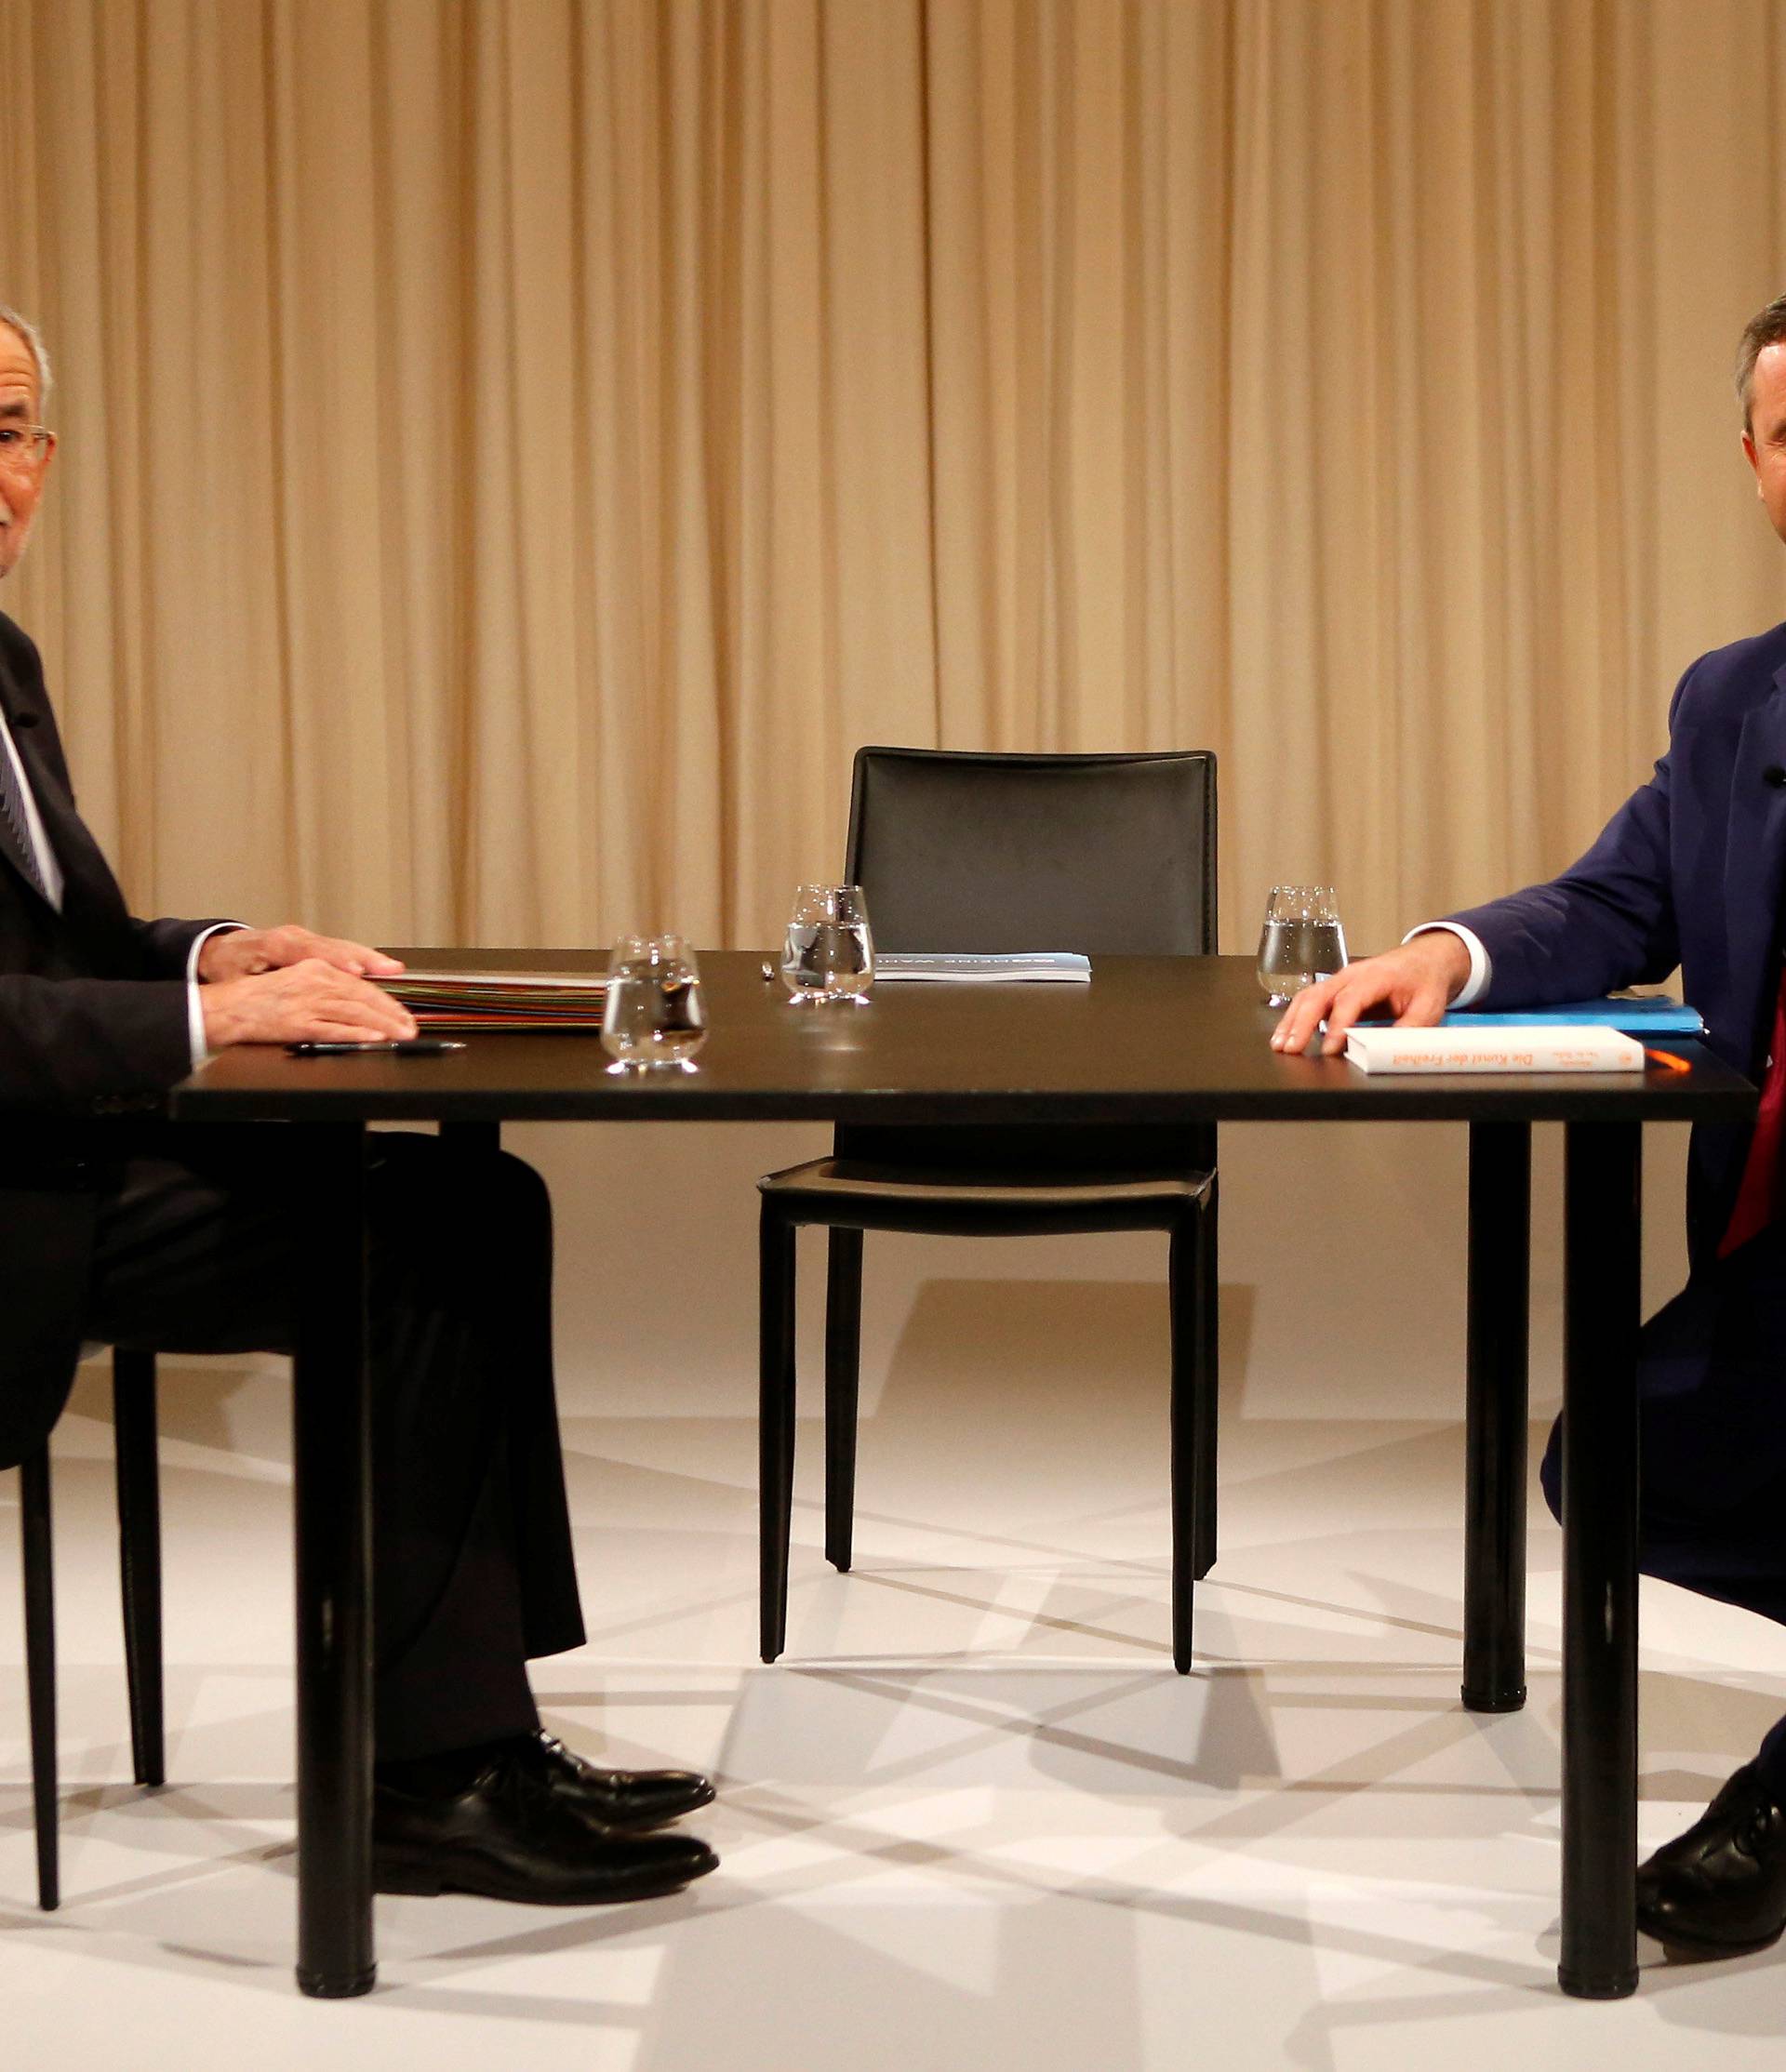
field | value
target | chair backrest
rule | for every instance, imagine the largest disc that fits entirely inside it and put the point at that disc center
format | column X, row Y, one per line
column 1110, row 854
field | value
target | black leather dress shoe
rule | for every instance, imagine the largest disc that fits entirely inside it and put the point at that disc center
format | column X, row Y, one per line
column 631, row 1800
column 1720, row 1887
column 515, row 1833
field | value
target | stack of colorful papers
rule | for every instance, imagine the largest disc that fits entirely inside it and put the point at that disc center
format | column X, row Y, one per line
column 457, row 1003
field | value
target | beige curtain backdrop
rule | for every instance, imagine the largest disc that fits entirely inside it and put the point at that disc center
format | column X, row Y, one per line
column 514, row 451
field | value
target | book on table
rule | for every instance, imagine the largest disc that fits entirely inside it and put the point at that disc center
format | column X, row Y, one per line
column 460, row 1003
column 1583, row 1047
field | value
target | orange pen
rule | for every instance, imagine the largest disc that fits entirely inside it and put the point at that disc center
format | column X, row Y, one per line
column 1667, row 1060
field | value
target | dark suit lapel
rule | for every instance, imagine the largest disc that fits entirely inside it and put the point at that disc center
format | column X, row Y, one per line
column 88, row 883
column 90, row 892
column 1756, row 857
column 18, row 709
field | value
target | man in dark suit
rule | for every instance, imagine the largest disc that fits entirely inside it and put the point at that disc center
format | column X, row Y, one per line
column 1691, row 870
column 117, row 1226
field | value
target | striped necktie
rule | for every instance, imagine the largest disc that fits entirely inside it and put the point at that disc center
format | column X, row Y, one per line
column 15, row 824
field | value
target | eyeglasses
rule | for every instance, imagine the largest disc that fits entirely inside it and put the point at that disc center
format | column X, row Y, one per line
column 22, row 447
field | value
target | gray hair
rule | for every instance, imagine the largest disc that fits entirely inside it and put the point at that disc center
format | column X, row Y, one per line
column 34, row 345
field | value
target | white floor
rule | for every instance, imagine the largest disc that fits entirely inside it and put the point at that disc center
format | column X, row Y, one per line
column 973, row 1817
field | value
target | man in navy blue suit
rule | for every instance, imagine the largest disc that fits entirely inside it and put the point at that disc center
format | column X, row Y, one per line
column 1690, row 872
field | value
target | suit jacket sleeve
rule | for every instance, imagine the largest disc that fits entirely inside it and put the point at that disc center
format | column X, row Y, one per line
column 74, row 1037
column 166, row 945
column 79, row 1044
column 1608, row 922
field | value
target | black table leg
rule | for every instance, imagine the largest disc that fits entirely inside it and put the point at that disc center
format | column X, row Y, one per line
column 139, row 1477
column 331, row 1458
column 1601, row 1299
column 1497, row 1399
column 775, row 1425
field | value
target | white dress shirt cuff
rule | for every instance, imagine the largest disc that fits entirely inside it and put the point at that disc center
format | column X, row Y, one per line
column 194, row 1010
column 1481, row 969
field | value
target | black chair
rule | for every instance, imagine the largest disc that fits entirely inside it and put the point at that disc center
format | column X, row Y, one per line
column 1102, row 853
column 133, row 1396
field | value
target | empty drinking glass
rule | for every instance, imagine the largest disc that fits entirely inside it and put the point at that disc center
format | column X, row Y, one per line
column 830, row 954
column 652, row 1014
column 1301, row 940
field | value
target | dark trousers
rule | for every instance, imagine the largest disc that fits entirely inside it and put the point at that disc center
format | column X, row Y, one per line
column 1712, row 1397
column 473, row 1570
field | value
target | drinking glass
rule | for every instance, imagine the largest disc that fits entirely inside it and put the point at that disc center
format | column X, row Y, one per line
column 1301, row 940
column 652, row 1014
column 830, row 954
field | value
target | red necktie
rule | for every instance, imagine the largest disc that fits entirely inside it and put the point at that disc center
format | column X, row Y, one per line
column 1758, row 1196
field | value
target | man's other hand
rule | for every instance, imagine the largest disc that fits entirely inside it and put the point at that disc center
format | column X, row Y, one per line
column 314, row 1001
column 241, row 952
column 1416, row 982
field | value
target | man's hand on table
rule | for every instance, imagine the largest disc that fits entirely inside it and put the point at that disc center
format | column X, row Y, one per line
column 245, row 952
column 1416, row 982
column 290, row 985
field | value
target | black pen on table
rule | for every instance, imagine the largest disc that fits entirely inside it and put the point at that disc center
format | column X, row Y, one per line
column 410, row 1046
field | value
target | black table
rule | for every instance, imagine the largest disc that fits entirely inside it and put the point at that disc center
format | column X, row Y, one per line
column 1162, row 1041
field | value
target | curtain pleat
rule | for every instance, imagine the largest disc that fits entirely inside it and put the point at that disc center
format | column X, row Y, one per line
column 514, row 451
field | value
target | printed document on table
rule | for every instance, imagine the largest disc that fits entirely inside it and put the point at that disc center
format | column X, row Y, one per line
column 963, row 967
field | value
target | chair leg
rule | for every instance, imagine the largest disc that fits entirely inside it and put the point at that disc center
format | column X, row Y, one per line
column 775, row 1435
column 133, row 1418
column 1188, row 1275
column 40, row 1668
column 1208, row 1403
column 843, row 1371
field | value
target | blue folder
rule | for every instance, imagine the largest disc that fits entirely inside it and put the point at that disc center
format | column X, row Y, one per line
column 1637, row 1015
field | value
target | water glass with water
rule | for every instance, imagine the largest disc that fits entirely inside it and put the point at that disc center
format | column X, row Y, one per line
column 653, row 1019
column 829, row 952
column 1301, row 940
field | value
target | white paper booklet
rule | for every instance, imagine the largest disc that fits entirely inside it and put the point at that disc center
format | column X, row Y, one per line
column 1578, row 1047
column 959, row 967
